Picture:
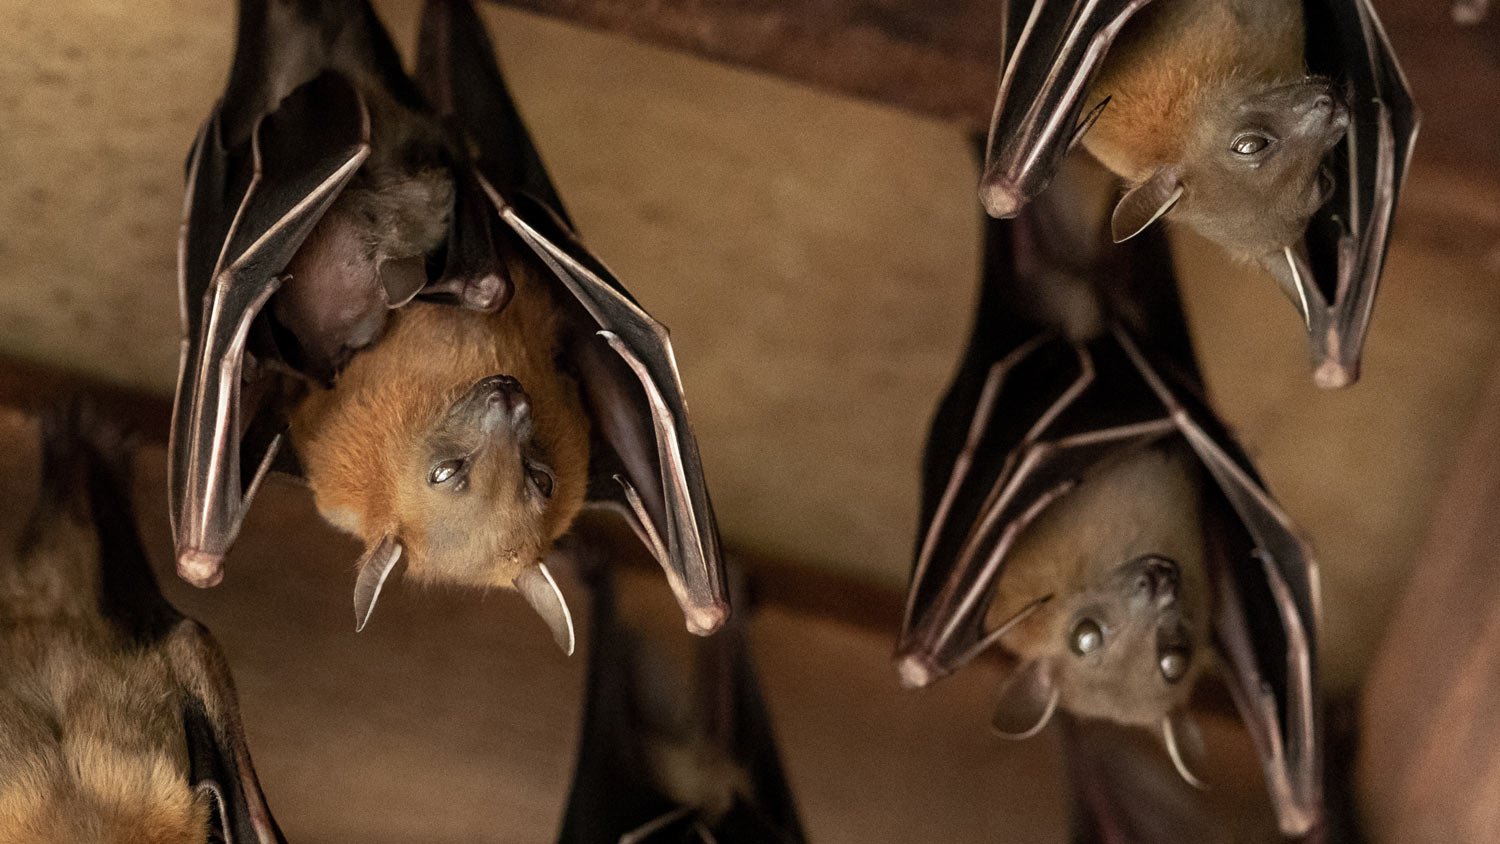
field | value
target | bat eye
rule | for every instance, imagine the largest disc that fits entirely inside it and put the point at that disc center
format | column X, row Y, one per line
column 1087, row 637
column 1173, row 664
column 445, row 472
column 541, row 479
column 1249, row 143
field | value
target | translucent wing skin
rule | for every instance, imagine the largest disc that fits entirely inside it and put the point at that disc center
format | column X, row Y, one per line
column 1053, row 50
column 1335, row 275
column 85, row 461
column 616, row 796
column 625, row 363
column 1030, row 412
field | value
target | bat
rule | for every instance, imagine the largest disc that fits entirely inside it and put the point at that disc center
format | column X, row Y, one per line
column 664, row 756
column 328, row 194
column 1079, row 363
column 1167, row 110
column 120, row 721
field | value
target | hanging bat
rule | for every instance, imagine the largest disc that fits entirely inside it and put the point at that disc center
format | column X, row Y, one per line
column 665, row 757
column 335, row 206
column 1226, row 115
column 118, row 717
column 1084, row 509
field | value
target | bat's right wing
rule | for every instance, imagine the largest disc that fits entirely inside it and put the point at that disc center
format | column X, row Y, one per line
column 1053, row 50
column 246, row 213
column 625, row 362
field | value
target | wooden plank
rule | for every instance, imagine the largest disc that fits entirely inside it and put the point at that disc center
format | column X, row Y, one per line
column 933, row 57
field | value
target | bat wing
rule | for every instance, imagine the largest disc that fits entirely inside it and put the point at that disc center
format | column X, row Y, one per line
column 616, row 796
column 246, row 213
column 218, row 757
column 85, row 461
column 1052, row 51
column 1266, row 615
column 1333, row 277
column 626, row 366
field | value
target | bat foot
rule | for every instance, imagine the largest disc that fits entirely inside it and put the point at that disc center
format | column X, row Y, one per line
column 200, row 568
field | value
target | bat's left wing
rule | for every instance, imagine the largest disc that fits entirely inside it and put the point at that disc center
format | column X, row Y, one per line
column 626, row 365
column 1053, row 50
column 1334, row 275
column 1267, row 611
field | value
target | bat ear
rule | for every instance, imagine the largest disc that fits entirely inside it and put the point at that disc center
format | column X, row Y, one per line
column 402, row 279
column 536, row 585
column 1145, row 203
column 1027, row 700
column 1184, row 743
column 374, row 567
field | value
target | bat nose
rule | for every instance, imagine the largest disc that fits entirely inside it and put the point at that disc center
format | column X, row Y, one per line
column 507, row 395
column 1160, row 580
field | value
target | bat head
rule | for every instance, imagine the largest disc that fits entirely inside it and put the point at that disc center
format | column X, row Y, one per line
column 1250, row 175
column 483, row 479
column 437, row 462
column 1123, row 633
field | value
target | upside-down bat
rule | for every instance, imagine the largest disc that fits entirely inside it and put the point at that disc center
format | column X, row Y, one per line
column 327, row 192
column 118, row 717
column 1227, row 115
column 1084, row 509
column 674, row 755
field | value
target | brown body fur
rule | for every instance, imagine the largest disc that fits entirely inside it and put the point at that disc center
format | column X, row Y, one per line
column 1144, row 503
column 92, row 744
column 361, row 443
column 1174, row 58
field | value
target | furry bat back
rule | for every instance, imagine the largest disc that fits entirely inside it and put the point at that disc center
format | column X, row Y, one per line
column 118, row 720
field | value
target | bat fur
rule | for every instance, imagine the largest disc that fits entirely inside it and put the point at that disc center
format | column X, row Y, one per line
column 92, row 744
column 1189, row 80
column 370, row 444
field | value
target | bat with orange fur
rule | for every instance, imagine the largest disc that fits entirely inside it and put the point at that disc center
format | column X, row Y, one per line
column 384, row 261
column 1229, row 116
column 118, row 717
column 1084, row 512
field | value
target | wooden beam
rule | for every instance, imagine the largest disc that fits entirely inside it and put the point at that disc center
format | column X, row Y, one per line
column 934, row 57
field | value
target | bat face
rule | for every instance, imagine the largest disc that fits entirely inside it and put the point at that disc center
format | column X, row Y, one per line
column 1122, row 635
column 1252, row 168
column 457, row 435
column 482, row 465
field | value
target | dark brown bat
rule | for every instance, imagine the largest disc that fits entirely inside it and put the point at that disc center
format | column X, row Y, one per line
column 1074, row 436
column 1205, row 109
column 668, row 755
column 118, row 718
column 327, row 189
